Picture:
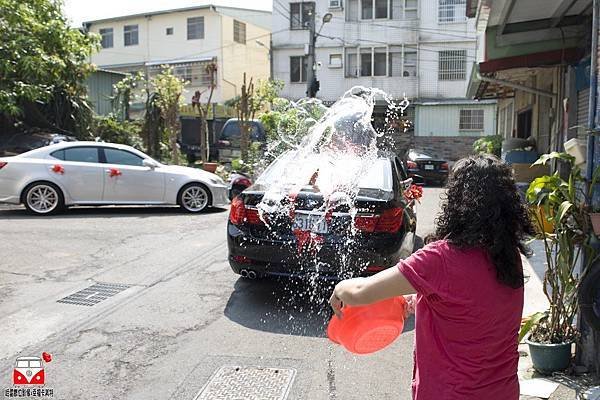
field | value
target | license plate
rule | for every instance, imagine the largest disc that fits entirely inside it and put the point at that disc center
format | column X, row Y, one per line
column 428, row 166
column 311, row 222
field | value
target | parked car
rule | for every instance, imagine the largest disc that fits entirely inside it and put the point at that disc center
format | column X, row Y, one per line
column 385, row 225
column 238, row 182
column 23, row 142
column 227, row 147
column 424, row 167
column 46, row 180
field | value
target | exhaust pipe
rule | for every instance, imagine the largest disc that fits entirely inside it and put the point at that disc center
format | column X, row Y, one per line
column 251, row 274
column 244, row 273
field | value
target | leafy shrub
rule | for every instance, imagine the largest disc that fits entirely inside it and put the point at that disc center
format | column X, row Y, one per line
column 109, row 129
column 489, row 145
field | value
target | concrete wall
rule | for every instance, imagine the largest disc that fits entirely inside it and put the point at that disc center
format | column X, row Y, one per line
column 443, row 120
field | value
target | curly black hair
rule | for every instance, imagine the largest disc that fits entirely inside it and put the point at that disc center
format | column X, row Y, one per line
column 482, row 208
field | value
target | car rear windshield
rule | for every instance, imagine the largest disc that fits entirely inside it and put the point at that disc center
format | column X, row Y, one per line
column 288, row 171
column 231, row 131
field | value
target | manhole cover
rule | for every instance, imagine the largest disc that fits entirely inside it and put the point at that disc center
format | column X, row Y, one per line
column 248, row 383
column 93, row 294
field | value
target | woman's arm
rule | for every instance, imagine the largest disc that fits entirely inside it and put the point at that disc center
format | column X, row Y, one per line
column 360, row 291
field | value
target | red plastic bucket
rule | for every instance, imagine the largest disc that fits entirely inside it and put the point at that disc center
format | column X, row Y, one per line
column 367, row 329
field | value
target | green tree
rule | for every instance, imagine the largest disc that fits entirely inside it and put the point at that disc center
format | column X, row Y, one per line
column 43, row 63
column 169, row 90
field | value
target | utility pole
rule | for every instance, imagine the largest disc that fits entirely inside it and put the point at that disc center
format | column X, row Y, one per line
column 311, row 71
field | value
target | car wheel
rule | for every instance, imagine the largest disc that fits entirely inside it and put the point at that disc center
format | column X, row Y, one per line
column 194, row 197
column 43, row 198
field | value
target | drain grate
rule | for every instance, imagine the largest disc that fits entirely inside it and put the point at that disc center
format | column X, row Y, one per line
column 93, row 294
column 248, row 383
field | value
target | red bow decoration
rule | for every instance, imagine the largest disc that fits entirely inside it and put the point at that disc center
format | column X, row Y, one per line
column 115, row 172
column 307, row 240
column 59, row 169
column 47, row 357
column 414, row 192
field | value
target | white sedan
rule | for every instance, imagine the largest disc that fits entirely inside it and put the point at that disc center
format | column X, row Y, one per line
column 48, row 179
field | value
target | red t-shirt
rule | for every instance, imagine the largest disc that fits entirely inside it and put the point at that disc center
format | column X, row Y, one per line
column 466, row 326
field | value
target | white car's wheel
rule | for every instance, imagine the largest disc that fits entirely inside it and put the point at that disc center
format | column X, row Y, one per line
column 43, row 198
column 194, row 197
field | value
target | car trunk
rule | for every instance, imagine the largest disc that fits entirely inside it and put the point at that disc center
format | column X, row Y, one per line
column 430, row 165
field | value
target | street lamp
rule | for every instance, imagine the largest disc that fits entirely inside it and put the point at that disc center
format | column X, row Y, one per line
column 312, row 84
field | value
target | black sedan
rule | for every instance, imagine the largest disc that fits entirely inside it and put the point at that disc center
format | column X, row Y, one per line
column 425, row 168
column 307, row 242
column 24, row 142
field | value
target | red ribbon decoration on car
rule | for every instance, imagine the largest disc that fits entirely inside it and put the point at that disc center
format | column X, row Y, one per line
column 58, row 169
column 115, row 172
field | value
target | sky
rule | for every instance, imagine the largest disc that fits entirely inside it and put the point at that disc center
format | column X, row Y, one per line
column 85, row 10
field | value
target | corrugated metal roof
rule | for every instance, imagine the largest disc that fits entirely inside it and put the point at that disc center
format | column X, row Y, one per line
column 450, row 102
column 179, row 61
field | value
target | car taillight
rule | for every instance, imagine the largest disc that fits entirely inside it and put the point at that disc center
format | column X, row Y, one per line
column 444, row 166
column 411, row 165
column 237, row 213
column 3, row 164
column 388, row 222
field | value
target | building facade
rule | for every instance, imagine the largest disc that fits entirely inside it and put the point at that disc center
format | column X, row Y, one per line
column 420, row 49
column 187, row 40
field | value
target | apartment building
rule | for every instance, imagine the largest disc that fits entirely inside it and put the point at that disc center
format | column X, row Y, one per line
column 236, row 39
column 421, row 49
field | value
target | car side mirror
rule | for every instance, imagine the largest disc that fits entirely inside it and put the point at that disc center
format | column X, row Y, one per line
column 149, row 163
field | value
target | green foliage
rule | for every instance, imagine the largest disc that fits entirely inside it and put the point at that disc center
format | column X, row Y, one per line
column 488, row 145
column 563, row 205
column 43, row 63
column 125, row 94
column 169, row 89
column 110, row 129
column 288, row 123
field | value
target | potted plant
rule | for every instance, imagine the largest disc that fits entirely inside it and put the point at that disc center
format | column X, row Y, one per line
column 564, row 204
column 595, row 220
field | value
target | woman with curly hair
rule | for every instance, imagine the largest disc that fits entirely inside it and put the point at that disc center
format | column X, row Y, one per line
column 468, row 283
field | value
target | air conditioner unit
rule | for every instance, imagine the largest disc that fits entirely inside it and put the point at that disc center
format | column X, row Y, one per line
column 335, row 3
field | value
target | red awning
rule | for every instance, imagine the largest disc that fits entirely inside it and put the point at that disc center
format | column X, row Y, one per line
column 554, row 57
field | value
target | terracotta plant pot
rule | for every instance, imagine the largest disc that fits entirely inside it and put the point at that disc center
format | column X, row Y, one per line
column 210, row 166
column 595, row 218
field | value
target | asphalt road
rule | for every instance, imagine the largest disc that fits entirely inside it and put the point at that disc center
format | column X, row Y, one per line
column 181, row 316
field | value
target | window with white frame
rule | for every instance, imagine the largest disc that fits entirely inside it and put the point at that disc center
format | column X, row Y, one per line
column 452, row 65
column 471, row 120
column 195, row 28
column 239, row 32
column 298, row 69
column 373, row 61
column 183, row 72
column 380, row 9
column 301, row 14
column 130, row 35
column 169, row 31
column 107, row 37
column 196, row 72
column 452, row 11
column 352, row 69
column 335, row 61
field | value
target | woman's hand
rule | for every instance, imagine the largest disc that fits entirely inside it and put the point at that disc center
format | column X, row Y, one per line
column 336, row 304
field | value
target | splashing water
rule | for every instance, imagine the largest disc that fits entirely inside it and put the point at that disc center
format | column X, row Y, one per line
column 336, row 161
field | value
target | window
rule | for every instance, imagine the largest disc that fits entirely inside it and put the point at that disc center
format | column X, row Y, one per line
column 452, row 65
column 352, row 62
column 335, row 61
column 301, row 14
column 377, row 8
column 183, row 72
column 410, row 62
column 380, row 9
column 195, row 28
column 298, row 68
column 78, row 154
column 169, row 31
column 239, row 32
column 107, row 37
column 130, row 35
column 471, row 120
column 452, row 11
column 122, row 157
column 351, row 10
column 365, row 62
